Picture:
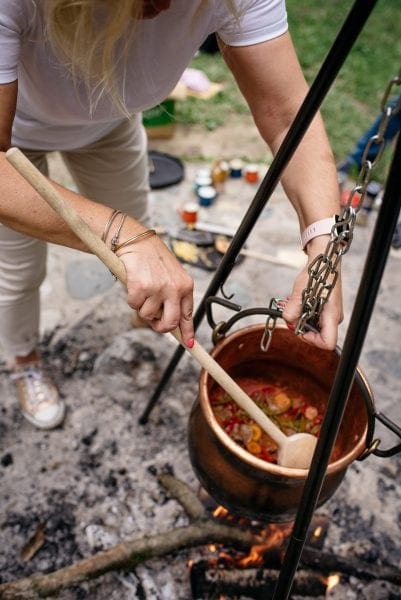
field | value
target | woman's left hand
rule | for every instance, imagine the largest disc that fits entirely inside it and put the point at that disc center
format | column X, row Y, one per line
column 332, row 313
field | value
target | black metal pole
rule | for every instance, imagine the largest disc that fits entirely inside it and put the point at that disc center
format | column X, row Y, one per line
column 317, row 92
column 359, row 322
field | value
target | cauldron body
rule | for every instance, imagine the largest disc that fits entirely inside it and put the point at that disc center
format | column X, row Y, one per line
column 235, row 478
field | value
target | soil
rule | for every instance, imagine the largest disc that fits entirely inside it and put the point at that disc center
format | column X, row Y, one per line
column 91, row 483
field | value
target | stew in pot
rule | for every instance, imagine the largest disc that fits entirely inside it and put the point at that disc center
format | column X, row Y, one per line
column 291, row 410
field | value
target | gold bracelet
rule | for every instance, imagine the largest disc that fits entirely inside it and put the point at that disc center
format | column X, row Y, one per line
column 126, row 252
column 116, row 236
column 110, row 220
column 136, row 238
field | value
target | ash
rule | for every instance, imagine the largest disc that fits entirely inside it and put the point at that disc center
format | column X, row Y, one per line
column 91, row 483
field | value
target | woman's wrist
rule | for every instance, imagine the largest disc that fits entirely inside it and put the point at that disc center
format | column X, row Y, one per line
column 121, row 230
column 319, row 228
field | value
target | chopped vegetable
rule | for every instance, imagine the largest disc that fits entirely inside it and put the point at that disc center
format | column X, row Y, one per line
column 289, row 409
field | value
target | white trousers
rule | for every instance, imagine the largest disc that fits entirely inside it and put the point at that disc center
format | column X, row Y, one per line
column 112, row 171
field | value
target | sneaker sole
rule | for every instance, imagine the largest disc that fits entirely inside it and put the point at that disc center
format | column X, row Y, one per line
column 55, row 422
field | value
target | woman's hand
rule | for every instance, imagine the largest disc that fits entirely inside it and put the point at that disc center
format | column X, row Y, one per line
column 159, row 288
column 332, row 313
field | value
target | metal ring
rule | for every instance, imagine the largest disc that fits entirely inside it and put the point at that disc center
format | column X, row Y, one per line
column 370, row 450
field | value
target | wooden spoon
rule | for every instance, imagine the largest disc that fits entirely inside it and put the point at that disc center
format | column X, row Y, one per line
column 294, row 451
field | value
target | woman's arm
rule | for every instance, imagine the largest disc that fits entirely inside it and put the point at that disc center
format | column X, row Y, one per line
column 158, row 286
column 271, row 80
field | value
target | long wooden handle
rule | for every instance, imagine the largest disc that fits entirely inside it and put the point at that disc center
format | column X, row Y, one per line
column 116, row 266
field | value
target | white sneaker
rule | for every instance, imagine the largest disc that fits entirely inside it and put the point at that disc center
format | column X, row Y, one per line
column 38, row 397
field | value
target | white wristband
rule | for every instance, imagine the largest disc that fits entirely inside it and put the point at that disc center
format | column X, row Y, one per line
column 322, row 227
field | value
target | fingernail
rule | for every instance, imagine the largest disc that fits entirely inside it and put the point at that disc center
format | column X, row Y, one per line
column 291, row 327
column 190, row 343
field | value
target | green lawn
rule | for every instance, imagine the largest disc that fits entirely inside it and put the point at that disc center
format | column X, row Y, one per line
column 354, row 99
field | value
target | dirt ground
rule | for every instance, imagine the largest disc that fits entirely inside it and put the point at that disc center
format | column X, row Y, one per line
column 91, row 483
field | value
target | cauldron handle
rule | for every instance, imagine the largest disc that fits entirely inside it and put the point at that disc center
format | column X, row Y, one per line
column 373, row 446
column 220, row 329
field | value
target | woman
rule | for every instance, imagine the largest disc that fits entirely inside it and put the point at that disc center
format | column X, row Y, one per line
column 84, row 71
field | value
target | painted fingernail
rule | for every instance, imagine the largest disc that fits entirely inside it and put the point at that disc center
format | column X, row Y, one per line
column 190, row 343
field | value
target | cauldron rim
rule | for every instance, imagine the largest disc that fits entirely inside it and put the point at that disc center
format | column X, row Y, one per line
column 340, row 464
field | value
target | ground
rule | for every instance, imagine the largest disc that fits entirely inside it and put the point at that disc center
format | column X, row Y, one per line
column 91, row 482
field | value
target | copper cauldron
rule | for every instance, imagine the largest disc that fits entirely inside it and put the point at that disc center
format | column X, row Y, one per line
column 235, row 478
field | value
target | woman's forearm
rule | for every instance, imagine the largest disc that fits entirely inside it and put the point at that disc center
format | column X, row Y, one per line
column 272, row 81
column 158, row 287
column 22, row 209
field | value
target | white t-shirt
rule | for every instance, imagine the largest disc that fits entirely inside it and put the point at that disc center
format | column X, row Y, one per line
column 53, row 113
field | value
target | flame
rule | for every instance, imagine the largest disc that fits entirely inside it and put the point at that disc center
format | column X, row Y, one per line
column 220, row 511
column 273, row 537
column 332, row 581
column 318, row 531
column 255, row 556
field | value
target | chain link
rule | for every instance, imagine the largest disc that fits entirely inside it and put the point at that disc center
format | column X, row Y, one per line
column 323, row 270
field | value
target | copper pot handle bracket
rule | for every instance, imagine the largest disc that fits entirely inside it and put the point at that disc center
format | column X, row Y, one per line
column 220, row 329
column 273, row 312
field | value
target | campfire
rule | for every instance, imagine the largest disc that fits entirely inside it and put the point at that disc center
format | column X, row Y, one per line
column 227, row 573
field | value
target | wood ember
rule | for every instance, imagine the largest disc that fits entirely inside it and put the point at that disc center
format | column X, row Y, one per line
column 257, row 583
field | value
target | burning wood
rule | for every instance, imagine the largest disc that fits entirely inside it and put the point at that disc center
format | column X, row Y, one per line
column 252, row 583
column 231, row 574
column 318, row 574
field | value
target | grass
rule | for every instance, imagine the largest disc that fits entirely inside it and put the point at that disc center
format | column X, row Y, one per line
column 354, row 99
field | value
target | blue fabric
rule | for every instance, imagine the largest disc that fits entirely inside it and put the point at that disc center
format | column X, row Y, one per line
column 393, row 127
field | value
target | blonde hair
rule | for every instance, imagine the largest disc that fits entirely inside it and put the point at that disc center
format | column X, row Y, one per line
column 91, row 37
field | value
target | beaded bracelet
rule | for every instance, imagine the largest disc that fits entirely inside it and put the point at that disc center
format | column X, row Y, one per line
column 135, row 238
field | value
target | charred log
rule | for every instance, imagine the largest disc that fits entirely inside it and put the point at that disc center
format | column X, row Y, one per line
column 330, row 563
column 258, row 584
column 212, row 578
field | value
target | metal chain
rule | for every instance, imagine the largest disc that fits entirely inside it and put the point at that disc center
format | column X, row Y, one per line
column 323, row 270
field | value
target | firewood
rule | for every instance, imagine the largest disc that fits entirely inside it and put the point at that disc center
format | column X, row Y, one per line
column 255, row 583
column 348, row 565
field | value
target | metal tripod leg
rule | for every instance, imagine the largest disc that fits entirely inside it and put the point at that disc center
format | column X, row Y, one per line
column 318, row 90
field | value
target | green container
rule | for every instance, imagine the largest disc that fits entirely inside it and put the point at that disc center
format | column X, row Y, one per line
column 160, row 115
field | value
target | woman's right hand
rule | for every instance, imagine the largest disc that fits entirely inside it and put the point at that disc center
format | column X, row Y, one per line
column 159, row 288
